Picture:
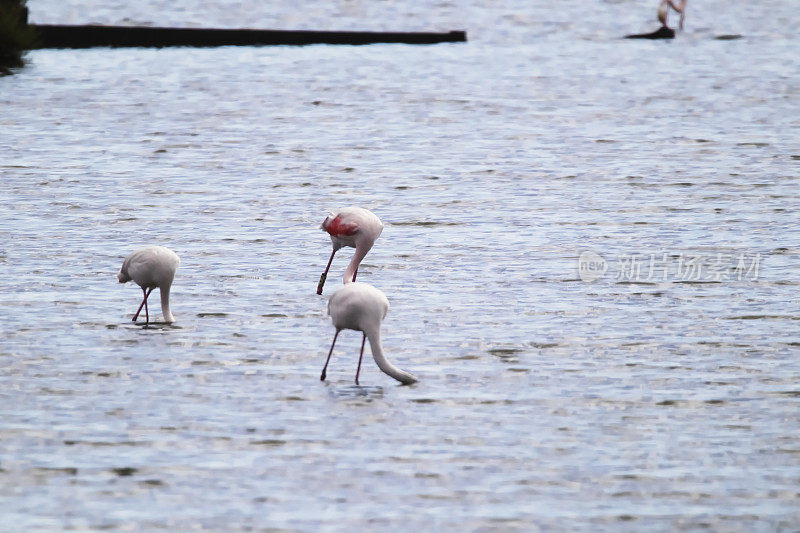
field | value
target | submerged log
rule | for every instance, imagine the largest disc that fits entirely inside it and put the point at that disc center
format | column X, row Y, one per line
column 57, row 36
column 661, row 33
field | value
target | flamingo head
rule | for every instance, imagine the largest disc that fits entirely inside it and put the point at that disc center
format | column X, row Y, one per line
column 327, row 221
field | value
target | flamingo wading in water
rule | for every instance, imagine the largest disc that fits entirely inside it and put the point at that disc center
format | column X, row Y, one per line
column 151, row 267
column 362, row 307
column 663, row 11
column 355, row 227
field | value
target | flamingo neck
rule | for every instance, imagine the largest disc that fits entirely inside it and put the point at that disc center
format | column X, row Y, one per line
column 164, row 290
column 358, row 256
column 388, row 368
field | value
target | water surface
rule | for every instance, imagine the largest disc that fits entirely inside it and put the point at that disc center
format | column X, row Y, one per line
column 665, row 400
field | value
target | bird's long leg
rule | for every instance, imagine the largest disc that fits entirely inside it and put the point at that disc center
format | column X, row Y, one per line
column 325, row 368
column 144, row 300
column 325, row 274
column 146, row 313
column 358, row 370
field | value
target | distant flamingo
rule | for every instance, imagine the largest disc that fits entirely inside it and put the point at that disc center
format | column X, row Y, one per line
column 362, row 307
column 663, row 11
column 151, row 267
column 354, row 227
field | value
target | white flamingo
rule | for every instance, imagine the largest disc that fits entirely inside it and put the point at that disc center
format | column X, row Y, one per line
column 151, row 267
column 362, row 307
column 355, row 227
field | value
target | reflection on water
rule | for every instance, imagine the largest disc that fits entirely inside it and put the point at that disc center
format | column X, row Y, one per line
column 631, row 401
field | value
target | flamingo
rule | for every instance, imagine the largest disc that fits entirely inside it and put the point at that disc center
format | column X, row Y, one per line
column 362, row 307
column 151, row 267
column 355, row 227
column 663, row 11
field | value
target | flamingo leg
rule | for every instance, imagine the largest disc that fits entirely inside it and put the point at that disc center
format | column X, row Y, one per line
column 358, row 370
column 325, row 274
column 325, row 368
column 144, row 301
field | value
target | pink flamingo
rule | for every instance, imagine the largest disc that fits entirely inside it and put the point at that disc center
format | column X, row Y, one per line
column 354, row 227
column 362, row 307
column 151, row 267
column 663, row 11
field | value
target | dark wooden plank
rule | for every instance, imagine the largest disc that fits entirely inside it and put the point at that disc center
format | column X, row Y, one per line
column 58, row 36
column 661, row 33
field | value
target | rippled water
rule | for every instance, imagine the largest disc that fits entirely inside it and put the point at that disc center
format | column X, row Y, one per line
column 655, row 399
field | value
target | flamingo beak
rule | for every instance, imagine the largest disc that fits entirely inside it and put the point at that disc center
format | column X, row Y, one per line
column 322, row 279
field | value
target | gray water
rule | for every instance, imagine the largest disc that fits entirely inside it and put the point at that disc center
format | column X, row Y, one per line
column 656, row 397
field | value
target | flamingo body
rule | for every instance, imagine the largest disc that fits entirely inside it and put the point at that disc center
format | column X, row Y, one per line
column 354, row 227
column 149, row 268
column 362, row 307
